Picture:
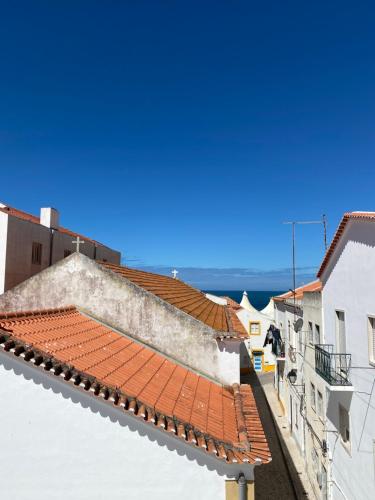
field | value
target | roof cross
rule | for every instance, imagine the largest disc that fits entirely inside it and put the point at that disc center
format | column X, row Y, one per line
column 174, row 272
column 78, row 242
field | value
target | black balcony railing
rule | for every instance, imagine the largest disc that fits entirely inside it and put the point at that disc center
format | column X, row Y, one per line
column 333, row 367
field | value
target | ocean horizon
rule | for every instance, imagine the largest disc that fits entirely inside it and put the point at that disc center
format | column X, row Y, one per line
column 258, row 298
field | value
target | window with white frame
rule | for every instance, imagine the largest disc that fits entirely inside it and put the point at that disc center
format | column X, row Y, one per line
column 344, row 424
column 319, row 404
column 310, row 330
column 317, row 334
column 312, row 396
column 340, row 332
column 371, row 339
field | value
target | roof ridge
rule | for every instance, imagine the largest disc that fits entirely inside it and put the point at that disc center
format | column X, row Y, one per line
column 241, row 424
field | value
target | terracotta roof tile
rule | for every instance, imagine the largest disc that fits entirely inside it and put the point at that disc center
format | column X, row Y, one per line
column 223, row 421
column 314, row 286
column 183, row 296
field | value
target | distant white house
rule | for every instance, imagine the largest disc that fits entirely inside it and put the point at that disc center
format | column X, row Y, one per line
column 257, row 324
column 29, row 244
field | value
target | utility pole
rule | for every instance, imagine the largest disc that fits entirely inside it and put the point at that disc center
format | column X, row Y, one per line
column 293, row 224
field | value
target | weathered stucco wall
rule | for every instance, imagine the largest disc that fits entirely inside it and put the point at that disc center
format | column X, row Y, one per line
column 79, row 281
column 3, row 248
column 61, row 442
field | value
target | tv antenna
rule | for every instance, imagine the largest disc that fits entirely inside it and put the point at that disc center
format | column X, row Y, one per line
column 293, row 224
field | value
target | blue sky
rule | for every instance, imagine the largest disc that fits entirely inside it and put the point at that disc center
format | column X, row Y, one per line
column 185, row 133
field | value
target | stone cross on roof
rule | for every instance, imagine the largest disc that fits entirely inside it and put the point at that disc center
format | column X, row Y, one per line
column 78, row 242
column 174, row 272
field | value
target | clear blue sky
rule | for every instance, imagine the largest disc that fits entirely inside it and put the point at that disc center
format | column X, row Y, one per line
column 184, row 133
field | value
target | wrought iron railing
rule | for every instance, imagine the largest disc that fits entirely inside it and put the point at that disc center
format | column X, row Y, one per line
column 333, row 367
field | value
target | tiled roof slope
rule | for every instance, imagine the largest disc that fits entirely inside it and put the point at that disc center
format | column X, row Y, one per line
column 222, row 421
column 180, row 295
column 314, row 286
column 36, row 220
column 370, row 216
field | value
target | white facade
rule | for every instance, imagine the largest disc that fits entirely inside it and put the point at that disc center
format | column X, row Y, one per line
column 19, row 259
column 61, row 442
column 349, row 288
column 257, row 324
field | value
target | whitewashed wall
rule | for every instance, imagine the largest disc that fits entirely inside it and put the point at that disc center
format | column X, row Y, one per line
column 60, row 442
column 349, row 285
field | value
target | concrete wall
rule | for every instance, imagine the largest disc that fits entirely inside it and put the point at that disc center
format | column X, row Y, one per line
column 107, row 296
column 60, row 442
column 349, row 286
column 19, row 238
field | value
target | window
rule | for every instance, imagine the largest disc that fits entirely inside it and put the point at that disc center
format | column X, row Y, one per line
column 311, row 340
column 36, row 254
column 320, row 404
column 67, row 253
column 254, row 328
column 312, row 396
column 340, row 332
column 344, row 424
column 317, row 334
column 371, row 340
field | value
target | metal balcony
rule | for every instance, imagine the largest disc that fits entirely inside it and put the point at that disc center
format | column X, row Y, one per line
column 332, row 367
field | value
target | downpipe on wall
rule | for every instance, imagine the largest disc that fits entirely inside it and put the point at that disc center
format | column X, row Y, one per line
column 242, row 487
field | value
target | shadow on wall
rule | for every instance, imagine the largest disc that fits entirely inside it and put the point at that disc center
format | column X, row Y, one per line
column 77, row 395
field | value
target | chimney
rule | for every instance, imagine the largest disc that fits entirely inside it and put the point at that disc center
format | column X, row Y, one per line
column 49, row 217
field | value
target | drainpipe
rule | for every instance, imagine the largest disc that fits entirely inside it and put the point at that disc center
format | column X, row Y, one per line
column 242, row 487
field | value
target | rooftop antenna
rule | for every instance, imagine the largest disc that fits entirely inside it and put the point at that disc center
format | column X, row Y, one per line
column 175, row 272
column 293, row 224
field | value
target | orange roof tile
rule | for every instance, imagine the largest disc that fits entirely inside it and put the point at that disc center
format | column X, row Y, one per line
column 223, row 421
column 36, row 220
column 181, row 295
column 370, row 216
column 314, row 286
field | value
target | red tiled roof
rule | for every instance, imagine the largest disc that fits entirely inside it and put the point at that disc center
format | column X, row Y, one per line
column 36, row 220
column 347, row 216
column 314, row 286
column 180, row 295
column 222, row 421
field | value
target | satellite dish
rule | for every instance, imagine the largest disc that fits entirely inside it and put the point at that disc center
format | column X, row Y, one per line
column 298, row 324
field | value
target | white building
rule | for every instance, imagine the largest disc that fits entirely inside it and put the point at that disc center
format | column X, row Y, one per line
column 166, row 313
column 257, row 324
column 346, row 361
column 90, row 413
column 289, row 315
column 29, row 244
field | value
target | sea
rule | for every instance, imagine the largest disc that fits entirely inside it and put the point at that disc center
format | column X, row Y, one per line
column 258, row 298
